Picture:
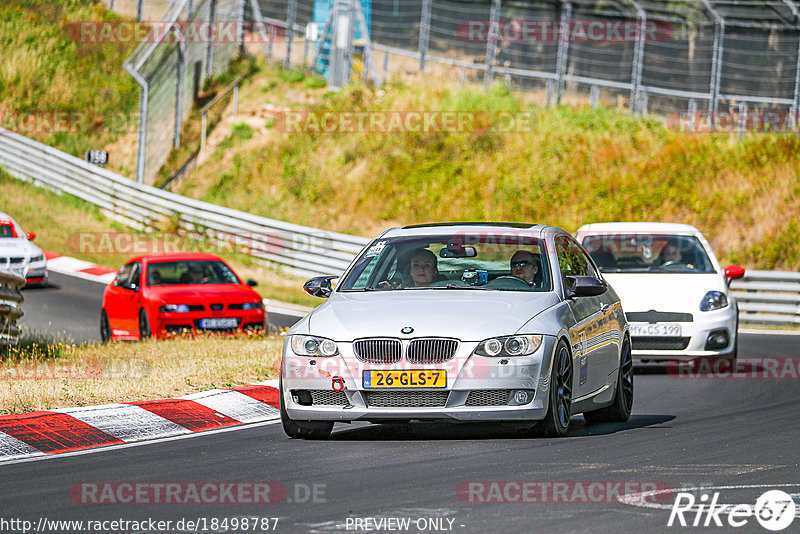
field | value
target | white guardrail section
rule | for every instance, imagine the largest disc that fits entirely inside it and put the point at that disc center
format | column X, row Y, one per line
column 770, row 297
column 301, row 250
column 10, row 306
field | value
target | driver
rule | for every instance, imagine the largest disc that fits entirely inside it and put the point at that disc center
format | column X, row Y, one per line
column 671, row 253
column 423, row 268
column 196, row 274
column 524, row 266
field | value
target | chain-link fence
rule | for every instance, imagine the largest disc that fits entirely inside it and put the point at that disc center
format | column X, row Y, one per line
column 194, row 40
column 664, row 56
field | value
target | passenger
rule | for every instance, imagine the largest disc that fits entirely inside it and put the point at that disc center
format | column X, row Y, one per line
column 423, row 268
column 524, row 266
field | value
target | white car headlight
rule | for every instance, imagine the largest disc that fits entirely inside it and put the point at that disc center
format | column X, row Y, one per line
column 37, row 259
column 313, row 346
column 509, row 346
column 713, row 300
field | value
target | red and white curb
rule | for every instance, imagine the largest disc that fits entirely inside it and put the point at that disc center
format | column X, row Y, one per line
column 79, row 268
column 42, row 433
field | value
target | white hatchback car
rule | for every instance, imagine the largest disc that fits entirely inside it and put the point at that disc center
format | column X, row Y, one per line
column 673, row 291
column 19, row 255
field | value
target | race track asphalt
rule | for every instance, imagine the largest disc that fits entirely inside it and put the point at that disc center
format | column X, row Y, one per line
column 684, row 433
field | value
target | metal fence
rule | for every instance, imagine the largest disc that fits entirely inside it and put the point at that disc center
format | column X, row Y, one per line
column 717, row 56
column 768, row 297
column 196, row 40
column 10, row 306
column 302, row 250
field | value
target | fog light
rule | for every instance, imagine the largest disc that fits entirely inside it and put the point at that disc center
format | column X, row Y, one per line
column 717, row 339
column 521, row 396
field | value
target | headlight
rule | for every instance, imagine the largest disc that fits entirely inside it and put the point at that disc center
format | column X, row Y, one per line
column 176, row 308
column 253, row 306
column 37, row 259
column 509, row 346
column 313, row 346
column 713, row 300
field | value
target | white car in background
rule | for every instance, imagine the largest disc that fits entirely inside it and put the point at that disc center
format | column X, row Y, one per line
column 19, row 255
column 674, row 293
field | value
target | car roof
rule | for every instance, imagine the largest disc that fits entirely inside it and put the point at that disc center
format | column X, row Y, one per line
column 181, row 256
column 466, row 227
column 638, row 227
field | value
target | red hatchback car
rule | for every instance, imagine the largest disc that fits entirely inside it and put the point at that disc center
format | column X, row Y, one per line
column 163, row 295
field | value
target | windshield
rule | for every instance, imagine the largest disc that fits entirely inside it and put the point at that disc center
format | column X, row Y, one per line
column 648, row 253
column 7, row 230
column 168, row 273
column 480, row 262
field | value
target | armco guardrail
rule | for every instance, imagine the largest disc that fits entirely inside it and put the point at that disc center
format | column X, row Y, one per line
column 10, row 306
column 769, row 297
column 302, row 250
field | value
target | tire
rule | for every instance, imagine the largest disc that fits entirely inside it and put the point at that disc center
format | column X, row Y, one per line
column 620, row 409
column 556, row 421
column 144, row 326
column 302, row 429
column 105, row 327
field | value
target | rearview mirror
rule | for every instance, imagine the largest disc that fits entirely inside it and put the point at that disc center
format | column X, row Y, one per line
column 251, row 283
column 319, row 286
column 455, row 250
column 30, row 236
column 585, row 286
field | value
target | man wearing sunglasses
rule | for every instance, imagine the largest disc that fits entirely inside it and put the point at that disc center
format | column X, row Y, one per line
column 524, row 265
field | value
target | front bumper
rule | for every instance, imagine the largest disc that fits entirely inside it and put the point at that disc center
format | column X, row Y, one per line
column 171, row 323
column 465, row 373
column 694, row 335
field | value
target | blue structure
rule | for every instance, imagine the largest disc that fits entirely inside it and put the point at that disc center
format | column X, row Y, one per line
column 322, row 12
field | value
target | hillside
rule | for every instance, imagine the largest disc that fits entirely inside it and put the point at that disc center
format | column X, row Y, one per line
column 69, row 94
column 572, row 165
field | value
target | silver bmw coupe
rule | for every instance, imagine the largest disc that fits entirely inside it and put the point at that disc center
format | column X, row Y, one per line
column 467, row 322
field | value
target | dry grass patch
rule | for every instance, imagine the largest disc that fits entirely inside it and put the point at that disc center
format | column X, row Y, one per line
column 45, row 377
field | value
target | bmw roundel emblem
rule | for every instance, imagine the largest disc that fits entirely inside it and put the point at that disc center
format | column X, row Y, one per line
column 406, row 330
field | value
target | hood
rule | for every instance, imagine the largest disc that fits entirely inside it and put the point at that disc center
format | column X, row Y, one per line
column 664, row 292
column 469, row 315
column 15, row 247
column 203, row 293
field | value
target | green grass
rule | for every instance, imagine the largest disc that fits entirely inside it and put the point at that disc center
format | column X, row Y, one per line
column 45, row 68
column 564, row 166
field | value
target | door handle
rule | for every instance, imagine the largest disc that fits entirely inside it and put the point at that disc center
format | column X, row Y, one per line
column 605, row 307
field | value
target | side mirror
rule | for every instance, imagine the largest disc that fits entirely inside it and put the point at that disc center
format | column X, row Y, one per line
column 30, row 236
column 251, row 283
column 131, row 287
column 585, row 286
column 732, row 272
column 319, row 286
